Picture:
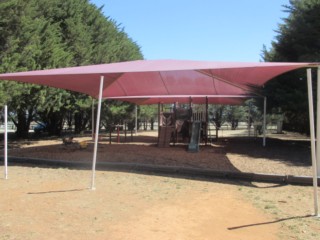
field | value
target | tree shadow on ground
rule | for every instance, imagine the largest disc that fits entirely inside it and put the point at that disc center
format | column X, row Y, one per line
column 144, row 150
column 290, row 152
column 141, row 170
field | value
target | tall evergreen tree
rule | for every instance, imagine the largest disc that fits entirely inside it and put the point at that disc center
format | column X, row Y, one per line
column 297, row 41
column 50, row 34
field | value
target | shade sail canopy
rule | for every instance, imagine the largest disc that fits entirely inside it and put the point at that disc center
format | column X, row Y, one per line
column 167, row 81
column 154, row 81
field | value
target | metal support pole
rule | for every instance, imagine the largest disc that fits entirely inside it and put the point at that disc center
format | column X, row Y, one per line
column 249, row 117
column 118, row 134
column 136, row 120
column 94, row 160
column 312, row 136
column 92, row 120
column 264, row 121
column 125, row 131
column 159, row 120
column 5, row 142
column 318, row 122
column 207, row 122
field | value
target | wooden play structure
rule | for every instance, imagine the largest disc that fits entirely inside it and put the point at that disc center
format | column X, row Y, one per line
column 184, row 124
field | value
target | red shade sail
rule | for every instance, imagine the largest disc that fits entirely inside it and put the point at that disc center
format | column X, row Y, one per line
column 154, row 81
column 167, row 81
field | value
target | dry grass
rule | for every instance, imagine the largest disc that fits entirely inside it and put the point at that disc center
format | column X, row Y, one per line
column 290, row 206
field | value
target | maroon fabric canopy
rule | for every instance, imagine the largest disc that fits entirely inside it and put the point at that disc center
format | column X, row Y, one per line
column 167, row 81
column 154, row 81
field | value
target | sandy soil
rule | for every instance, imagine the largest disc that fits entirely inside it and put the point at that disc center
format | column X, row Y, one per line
column 55, row 203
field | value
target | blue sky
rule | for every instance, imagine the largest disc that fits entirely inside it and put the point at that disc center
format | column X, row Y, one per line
column 213, row 30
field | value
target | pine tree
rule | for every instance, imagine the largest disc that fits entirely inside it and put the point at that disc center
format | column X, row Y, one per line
column 297, row 41
column 51, row 34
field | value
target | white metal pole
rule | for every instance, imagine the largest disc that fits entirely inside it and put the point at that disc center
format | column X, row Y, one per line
column 264, row 121
column 5, row 142
column 318, row 122
column 94, row 161
column 249, row 116
column 92, row 120
column 159, row 112
column 136, row 119
column 312, row 136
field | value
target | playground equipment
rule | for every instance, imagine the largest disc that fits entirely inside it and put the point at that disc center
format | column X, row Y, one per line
column 166, row 129
column 195, row 137
column 183, row 125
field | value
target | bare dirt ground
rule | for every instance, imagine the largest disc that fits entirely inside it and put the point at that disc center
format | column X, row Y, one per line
column 42, row 203
column 55, row 203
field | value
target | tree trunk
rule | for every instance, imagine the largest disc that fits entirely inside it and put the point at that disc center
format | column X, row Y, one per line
column 22, row 125
column 81, row 120
column 55, row 124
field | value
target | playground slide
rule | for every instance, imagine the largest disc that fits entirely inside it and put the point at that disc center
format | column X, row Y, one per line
column 195, row 137
column 165, row 136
